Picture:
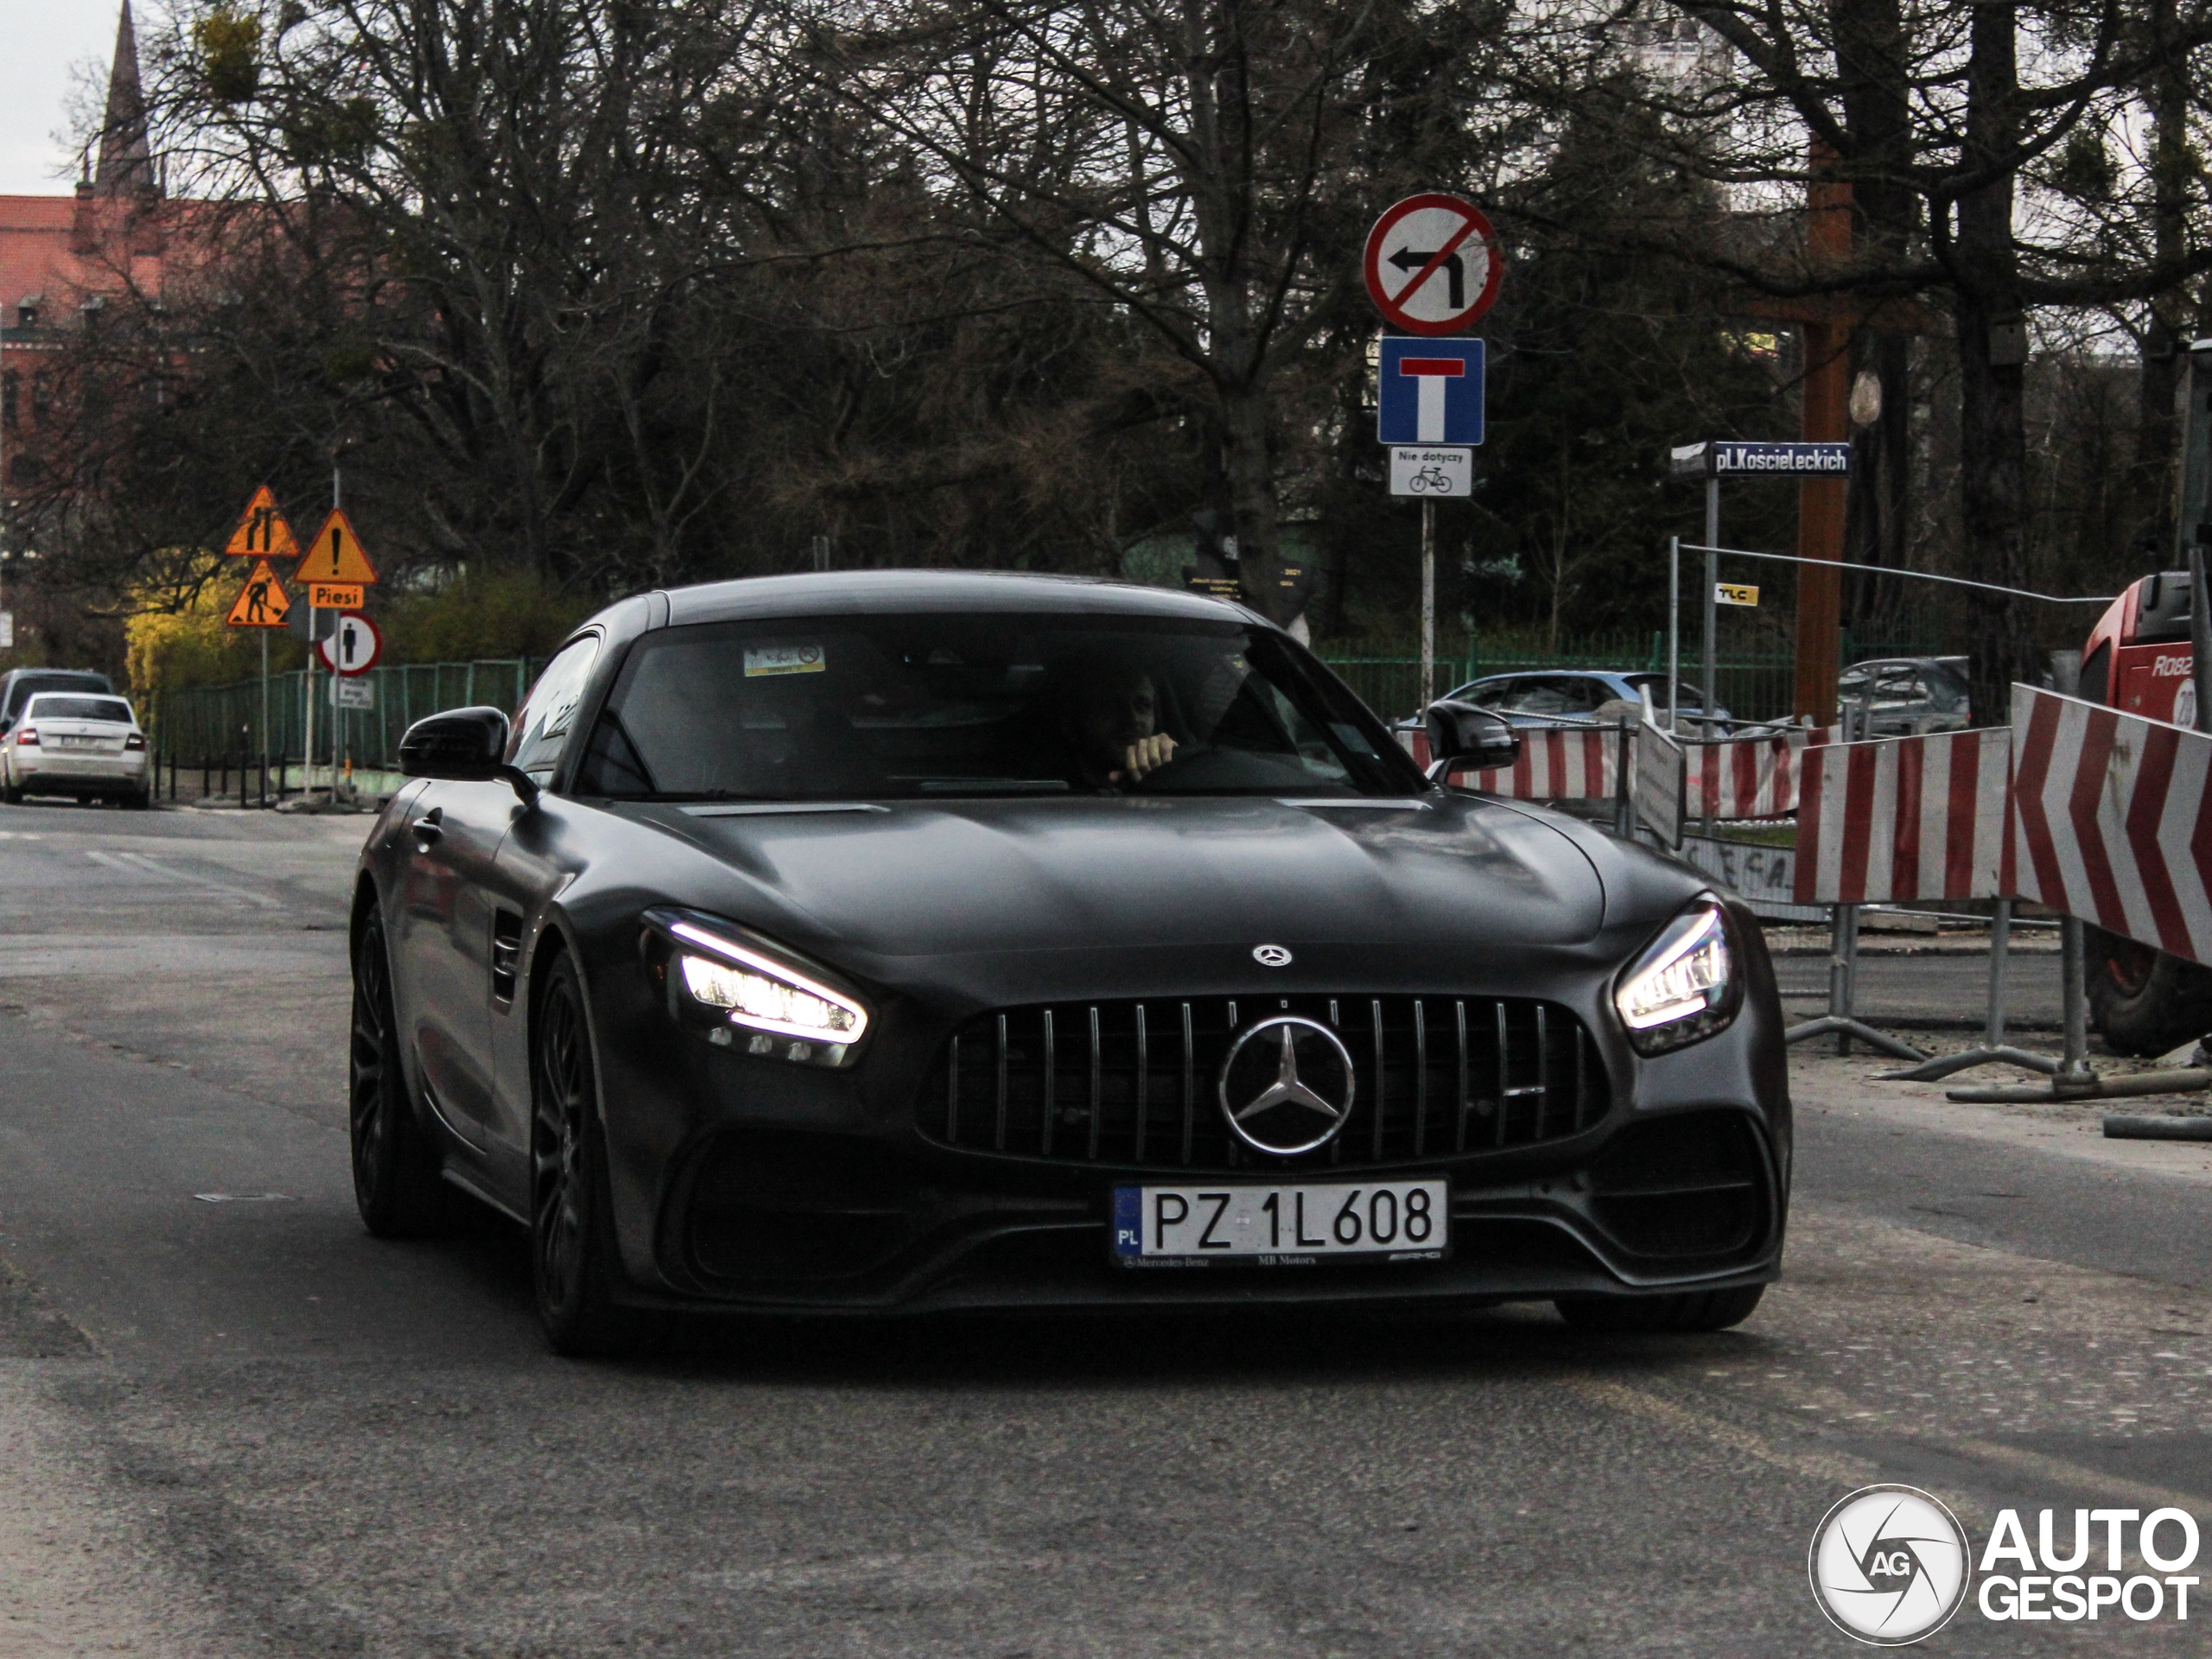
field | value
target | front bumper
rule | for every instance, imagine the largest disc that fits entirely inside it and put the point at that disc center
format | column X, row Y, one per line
column 744, row 1183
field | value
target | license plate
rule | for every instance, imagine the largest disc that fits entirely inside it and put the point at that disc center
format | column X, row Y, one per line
column 81, row 742
column 1281, row 1226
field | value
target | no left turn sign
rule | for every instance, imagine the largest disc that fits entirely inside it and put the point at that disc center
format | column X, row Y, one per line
column 1432, row 264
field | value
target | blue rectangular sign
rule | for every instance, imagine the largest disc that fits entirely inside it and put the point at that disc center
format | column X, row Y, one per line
column 1431, row 391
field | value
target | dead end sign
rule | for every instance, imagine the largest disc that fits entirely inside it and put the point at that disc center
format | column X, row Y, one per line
column 1432, row 264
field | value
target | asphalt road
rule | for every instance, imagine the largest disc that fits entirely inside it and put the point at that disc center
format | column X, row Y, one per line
column 233, row 1424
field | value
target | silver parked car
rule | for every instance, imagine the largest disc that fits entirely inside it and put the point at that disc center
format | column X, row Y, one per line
column 1908, row 697
column 1536, row 696
column 69, row 743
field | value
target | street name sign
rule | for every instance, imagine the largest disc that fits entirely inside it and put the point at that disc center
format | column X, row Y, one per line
column 263, row 533
column 336, row 596
column 1442, row 470
column 353, row 647
column 1726, row 458
column 1735, row 593
column 1432, row 264
column 1429, row 392
column 262, row 603
column 335, row 554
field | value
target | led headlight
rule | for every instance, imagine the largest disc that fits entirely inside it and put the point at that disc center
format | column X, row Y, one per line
column 720, row 976
column 1683, row 988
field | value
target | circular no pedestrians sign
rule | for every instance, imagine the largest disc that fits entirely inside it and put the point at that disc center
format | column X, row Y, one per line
column 1432, row 264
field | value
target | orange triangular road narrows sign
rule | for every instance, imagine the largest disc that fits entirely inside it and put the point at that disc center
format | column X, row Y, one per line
column 335, row 554
column 262, row 603
column 263, row 533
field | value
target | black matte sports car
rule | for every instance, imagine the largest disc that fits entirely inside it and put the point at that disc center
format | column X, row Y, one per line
column 922, row 941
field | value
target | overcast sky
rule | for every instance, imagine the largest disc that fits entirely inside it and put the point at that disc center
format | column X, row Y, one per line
column 41, row 41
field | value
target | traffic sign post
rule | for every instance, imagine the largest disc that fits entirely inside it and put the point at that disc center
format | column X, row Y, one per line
column 1429, row 392
column 1431, row 471
column 1431, row 267
column 262, row 603
column 1432, row 264
column 1730, row 457
column 262, row 532
column 1428, row 406
column 354, row 646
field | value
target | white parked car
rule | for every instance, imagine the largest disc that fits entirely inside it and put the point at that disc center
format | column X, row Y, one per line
column 73, row 743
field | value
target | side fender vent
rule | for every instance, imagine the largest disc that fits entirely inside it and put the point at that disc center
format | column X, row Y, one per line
column 506, row 953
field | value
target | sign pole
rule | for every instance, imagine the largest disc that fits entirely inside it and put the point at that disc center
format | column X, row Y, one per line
column 264, row 712
column 1427, row 602
column 1712, row 587
column 1712, row 628
column 307, row 692
column 1674, row 626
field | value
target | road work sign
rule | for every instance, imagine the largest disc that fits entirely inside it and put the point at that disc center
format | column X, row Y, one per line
column 262, row 603
column 335, row 554
column 1432, row 264
column 354, row 646
column 1735, row 593
column 1439, row 471
column 263, row 533
column 336, row 596
column 1429, row 392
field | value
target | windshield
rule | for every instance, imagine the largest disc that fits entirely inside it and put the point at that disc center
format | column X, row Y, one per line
column 53, row 708
column 938, row 705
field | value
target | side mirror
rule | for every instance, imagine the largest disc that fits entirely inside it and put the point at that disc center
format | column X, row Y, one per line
column 466, row 745
column 1462, row 737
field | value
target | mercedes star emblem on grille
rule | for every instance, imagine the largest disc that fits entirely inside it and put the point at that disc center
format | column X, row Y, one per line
column 1271, row 956
column 1286, row 1085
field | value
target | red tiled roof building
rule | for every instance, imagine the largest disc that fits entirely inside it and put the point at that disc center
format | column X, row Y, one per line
column 62, row 259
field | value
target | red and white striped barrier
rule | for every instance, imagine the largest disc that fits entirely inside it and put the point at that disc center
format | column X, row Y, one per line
column 1556, row 764
column 2112, row 821
column 1903, row 818
column 1746, row 777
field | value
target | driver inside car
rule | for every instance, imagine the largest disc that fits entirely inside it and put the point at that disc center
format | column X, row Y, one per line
column 1115, row 721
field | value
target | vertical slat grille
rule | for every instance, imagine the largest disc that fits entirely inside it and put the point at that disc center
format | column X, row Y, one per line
column 1435, row 1077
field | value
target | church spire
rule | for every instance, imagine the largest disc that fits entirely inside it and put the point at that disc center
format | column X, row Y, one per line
column 126, row 160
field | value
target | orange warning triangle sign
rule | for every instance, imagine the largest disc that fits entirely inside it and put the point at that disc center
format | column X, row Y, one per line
column 335, row 554
column 263, row 533
column 262, row 603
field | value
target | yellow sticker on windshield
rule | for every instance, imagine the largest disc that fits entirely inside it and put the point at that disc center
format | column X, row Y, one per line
column 783, row 659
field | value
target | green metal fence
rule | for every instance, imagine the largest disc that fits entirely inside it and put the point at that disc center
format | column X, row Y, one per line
column 223, row 724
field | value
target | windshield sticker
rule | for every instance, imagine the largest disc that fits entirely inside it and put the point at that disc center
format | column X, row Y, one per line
column 783, row 659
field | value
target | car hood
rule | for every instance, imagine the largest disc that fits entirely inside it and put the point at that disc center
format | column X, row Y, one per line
column 932, row 879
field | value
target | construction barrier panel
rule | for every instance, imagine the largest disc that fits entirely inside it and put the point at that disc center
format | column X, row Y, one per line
column 1733, row 779
column 1904, row 819
column 1748, row 777
column 2111, row 822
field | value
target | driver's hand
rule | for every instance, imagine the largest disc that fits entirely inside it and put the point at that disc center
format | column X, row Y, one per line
column 1146, row 754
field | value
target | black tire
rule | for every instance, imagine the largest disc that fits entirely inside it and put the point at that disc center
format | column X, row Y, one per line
column 142, row 802
column 572, row 1255
column 2142, row 1000
column 395, row 1181
column 1690, row 1309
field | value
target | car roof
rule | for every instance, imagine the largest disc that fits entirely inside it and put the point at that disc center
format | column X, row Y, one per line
column 862, row 593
